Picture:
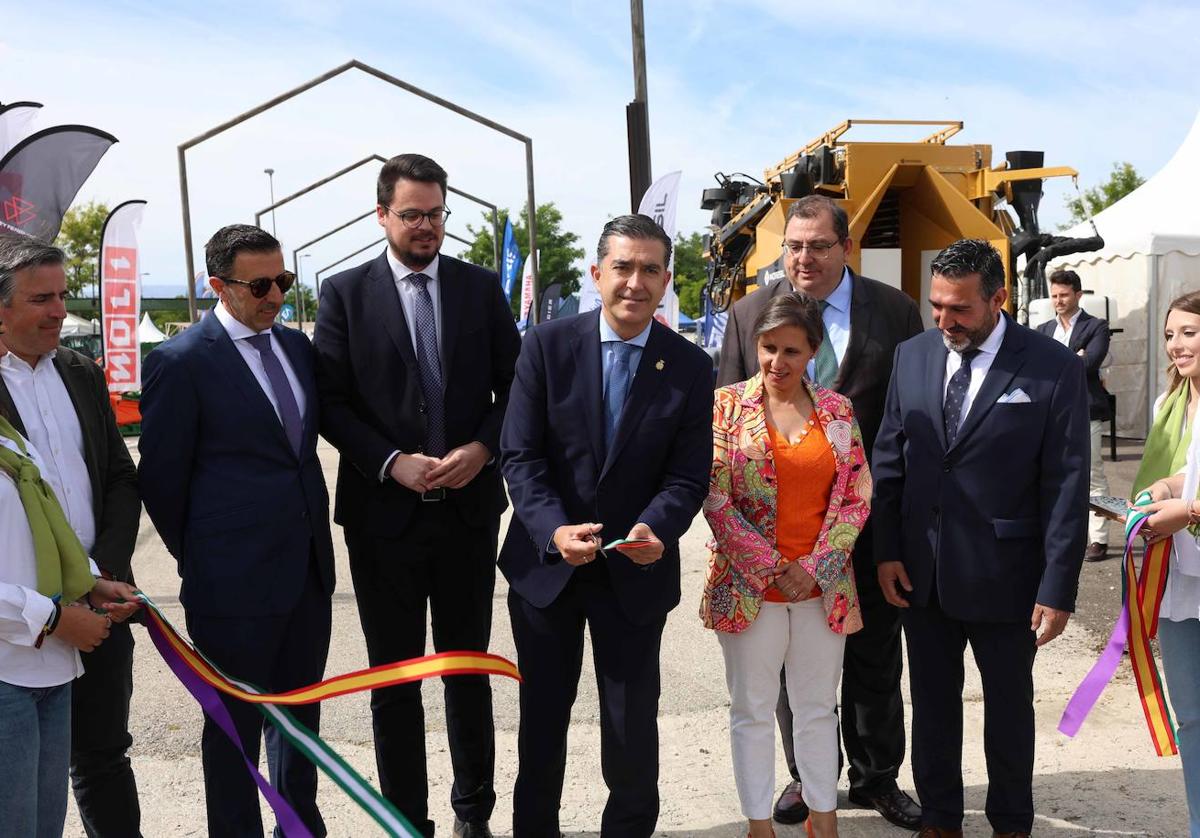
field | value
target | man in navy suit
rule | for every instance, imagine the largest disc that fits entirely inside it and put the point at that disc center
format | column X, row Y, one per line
column 608, row 436
column 1087, row 337
column 230, row 477
column 980, row 475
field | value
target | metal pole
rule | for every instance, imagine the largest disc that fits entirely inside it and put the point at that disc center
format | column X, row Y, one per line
column 271, row 182
column 496, row 240
column 317, row 276
column 532, row 203
column 637, row 113
column 185, row 204
column 637, row 19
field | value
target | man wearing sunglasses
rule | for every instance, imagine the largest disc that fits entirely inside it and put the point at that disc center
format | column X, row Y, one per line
column 230, row 477
column 415, row 355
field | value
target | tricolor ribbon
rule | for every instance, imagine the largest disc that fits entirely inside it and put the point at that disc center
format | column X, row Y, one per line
column 1134, row 628
column 205, row 682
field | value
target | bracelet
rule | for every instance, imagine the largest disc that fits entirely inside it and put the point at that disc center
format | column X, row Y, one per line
column 1193, row 515
column 50, row 626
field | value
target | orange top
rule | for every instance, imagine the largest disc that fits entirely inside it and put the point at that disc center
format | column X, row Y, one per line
column 805, row 471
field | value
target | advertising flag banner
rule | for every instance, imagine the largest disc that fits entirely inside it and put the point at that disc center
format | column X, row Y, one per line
column 41, row 174
column 511, row 256
column 15, row 119
column 526, row 290
column 120, row 297
column 660, row 203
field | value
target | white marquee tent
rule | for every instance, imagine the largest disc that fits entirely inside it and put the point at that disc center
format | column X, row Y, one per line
column 1151, row 255
column 148, row 332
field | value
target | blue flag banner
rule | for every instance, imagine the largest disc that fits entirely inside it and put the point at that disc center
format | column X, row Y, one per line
column 511, row 256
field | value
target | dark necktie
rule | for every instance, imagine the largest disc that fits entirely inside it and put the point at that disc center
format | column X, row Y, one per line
column 429, row 367
column 956, row 394
column 825, row 364
column 615, row 389
column 289, row 412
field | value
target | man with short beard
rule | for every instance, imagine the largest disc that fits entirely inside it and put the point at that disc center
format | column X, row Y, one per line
column 980, row 511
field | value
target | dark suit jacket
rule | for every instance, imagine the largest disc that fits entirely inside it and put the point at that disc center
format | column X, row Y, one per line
column 880, row 318
column 1000, row 517
column 371, row 399
column 113, row 477
column 558, row 472
column 240, row 512
column 1091, row 335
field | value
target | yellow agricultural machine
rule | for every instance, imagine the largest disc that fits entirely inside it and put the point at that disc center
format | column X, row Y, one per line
column 906, row 201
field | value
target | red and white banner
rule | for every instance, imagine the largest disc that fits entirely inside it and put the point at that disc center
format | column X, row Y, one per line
column 526, row 289
column 121, row 297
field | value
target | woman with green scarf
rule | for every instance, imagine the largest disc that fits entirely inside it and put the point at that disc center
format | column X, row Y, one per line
column 51, row 607
column 1170, row 469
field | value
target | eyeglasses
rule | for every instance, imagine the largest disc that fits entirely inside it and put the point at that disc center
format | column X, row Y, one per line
column 817, row 249
column 259, row 287
column 413, row 218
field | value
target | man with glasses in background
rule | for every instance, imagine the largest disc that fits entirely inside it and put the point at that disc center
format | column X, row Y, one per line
column 230, row 477
column 415, row 357
column 864, row 321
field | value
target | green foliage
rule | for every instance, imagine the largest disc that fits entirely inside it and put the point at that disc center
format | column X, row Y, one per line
column 1123, row 180
column 558, row 248
column 690, row 273
column 310, row 300
column 80, row 238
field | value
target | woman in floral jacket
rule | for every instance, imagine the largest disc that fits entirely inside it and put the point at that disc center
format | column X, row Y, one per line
column 789, row 493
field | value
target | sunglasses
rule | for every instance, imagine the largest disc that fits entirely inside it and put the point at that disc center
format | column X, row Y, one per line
column 259, row 287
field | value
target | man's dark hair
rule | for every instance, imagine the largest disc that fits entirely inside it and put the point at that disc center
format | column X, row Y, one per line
column 229, row 241
column 19, row 252
column 416, row 167
column 1064, row 277
column 814, row 206
column 967, row 257
column 793, row 309
column 633, row 227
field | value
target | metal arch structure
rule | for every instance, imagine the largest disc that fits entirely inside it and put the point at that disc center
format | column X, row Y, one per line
column 317, row 184
column 376, row 243
column 182, row 150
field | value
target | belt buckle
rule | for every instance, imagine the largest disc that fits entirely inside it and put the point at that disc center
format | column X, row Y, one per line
column 434, row 495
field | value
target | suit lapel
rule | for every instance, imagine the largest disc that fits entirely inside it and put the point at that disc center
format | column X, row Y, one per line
column 645, row 383
column 1006, row 364
column 9, row 408
column 449, row 293
column 860, row 327
column 231, row 362
column 385, row 300
column 1081, row 332
column 585, row 351
column 935, row 389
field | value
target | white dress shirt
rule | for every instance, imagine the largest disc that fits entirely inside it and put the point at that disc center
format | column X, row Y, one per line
column 608, row 338
column 23, row 611
column 1062, row 335
column 979, row 367
column 408, row 295
column 836, row 318
column 1181, row 598
column 238, row 332
column 52, row 425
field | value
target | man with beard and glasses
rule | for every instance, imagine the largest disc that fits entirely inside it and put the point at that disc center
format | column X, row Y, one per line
column 415, row 353
column 980, row 513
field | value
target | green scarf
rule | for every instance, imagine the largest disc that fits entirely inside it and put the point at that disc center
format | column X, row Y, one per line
column 1166, row 448
column 62, row 563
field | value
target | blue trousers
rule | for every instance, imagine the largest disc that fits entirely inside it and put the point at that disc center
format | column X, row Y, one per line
column 1180, row 642
column 35, row 744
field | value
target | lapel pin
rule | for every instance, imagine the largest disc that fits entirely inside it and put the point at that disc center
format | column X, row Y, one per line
column 659, row 366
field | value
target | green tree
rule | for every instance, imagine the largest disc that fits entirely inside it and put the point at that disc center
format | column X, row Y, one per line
column 1123, row 180
column 690, row 273
column 558, row 248
column 80, row 238
column 310, row 301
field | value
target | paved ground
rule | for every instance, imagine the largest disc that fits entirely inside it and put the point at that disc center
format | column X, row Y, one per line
column 1106, row 782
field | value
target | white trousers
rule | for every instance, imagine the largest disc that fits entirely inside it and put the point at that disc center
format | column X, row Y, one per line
column 1097, row 526
column 793, row 636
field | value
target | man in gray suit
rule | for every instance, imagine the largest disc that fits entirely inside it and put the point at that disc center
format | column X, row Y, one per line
column 864, row 322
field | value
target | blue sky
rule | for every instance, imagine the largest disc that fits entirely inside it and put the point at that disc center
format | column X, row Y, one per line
column 733, row 86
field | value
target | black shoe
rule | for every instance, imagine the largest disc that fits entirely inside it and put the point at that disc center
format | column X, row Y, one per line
column 895, row 805
column 790, row 807
column 1095, row 552
column 471, row 829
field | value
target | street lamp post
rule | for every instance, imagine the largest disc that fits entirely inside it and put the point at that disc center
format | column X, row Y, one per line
column 299, row 286
column 270, row 173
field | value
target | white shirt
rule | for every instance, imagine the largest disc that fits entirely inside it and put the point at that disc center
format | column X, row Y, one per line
column 836, row 318
column 408, row 295
column 1181, row 598
column 52, row 425
column 23, row 611
column 1062, row 335
column 979, row 367
column 238, row 332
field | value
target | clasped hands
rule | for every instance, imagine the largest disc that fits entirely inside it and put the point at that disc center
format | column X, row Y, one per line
column 85, row 623
column 794, row 582
column 422, row 473
column 579, row 544
column 1167, row 513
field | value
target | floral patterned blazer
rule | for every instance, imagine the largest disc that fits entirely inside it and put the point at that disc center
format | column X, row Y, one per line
column 740, row 509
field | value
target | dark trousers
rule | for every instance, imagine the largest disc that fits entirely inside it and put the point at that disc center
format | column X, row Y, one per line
column 101, row 774
column 1004, row 653
column 275, row 653
column 549, row 654
column 442, row 561
column 872, row 710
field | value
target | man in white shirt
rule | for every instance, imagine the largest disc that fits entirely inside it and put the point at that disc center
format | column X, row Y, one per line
column 58, row 400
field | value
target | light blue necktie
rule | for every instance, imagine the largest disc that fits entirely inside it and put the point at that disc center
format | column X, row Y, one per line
column 615, row 389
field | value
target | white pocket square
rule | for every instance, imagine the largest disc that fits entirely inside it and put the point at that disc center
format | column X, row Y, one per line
column 1017, row 396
